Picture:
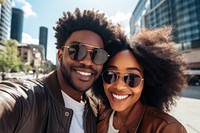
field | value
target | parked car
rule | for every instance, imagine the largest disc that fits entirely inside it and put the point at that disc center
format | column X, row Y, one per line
column 194, row 80
column 193, row 77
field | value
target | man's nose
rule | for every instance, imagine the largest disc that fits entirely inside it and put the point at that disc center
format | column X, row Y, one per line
column 87, row 60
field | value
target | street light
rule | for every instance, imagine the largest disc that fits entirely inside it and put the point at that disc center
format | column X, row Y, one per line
column 37, row 63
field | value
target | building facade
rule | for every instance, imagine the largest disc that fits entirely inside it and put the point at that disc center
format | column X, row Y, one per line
column 17, row 24
column 30, row 53
column 184, row 16
column 137, row 19
column 5, row 19
column 43, row 36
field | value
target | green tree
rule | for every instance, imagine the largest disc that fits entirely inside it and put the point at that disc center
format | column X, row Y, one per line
column 9, row 59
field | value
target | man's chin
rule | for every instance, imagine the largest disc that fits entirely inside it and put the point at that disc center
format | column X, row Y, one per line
column 82, row 86
column 82, row 90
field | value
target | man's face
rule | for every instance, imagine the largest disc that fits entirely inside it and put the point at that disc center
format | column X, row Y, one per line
column 80, row 75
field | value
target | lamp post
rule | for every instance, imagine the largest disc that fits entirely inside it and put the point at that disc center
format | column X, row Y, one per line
column 37, row 63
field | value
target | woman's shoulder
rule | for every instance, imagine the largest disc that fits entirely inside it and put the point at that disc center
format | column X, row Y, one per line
column 155, row 113
column 162, row 120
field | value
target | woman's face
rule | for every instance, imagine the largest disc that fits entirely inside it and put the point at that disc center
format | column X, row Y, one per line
column 123, row 95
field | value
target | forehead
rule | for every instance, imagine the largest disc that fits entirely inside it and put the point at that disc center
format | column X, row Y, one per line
column 124, row 61
column 86, row 37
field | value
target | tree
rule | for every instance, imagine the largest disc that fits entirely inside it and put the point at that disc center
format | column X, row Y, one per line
column 9, row 59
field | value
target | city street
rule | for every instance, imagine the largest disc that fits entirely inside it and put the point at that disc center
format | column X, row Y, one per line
column 187, row 109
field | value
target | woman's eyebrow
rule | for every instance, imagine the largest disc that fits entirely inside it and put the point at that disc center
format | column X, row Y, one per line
column 130, row 68
column 134, row 68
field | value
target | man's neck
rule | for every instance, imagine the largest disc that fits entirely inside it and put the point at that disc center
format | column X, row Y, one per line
column 67, row 89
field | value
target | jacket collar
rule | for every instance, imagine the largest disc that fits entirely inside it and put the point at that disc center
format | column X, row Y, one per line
column 133, row 120
column 54, row 87
column 135, row 117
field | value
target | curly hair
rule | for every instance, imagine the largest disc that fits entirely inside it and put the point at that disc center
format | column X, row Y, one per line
column 85, row 20
column 163, row 67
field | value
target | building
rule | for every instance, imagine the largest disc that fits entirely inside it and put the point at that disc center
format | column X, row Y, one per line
column 43, row 36
column 184, row 16
column 31, row 54
column 5, row 19
column 17, row 24
column 137, row 19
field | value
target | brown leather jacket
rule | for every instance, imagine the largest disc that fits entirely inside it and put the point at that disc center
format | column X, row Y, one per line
column 143, row 119
column 30, row 106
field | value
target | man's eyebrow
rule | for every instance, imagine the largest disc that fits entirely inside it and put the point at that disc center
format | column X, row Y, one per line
column 111, row 66
column 88, row 45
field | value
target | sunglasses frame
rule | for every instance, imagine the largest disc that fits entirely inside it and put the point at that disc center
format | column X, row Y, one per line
column 91, row 51
column 118, row 75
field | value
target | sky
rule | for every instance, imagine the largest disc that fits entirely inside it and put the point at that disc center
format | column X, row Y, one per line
column 45, row 13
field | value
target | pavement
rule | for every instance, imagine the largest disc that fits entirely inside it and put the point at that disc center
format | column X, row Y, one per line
column 187, row 111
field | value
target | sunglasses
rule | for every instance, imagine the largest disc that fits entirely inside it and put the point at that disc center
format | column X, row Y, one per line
column 131, row 79
column 78, row 51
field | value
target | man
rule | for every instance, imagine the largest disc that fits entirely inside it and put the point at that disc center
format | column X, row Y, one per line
column 57, row 103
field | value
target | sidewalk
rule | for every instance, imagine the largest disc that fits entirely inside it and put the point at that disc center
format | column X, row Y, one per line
column 187, row 111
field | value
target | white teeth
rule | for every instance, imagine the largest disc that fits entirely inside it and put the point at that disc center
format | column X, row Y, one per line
column 120, row 97
column 84, row 73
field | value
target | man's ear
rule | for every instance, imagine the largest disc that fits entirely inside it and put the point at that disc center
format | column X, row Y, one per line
column 59, row 54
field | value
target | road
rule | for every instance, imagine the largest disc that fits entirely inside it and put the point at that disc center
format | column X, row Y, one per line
column 187, row 109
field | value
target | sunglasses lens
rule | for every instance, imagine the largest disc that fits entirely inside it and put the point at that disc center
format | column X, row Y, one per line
column 99, row 56
column 109, row 77
column 77, row 51
column 132, row 80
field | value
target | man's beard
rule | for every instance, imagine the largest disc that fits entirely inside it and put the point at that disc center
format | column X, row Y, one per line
column 67, row 77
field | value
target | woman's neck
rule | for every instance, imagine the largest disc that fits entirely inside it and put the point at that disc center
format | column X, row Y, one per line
column 120, row 118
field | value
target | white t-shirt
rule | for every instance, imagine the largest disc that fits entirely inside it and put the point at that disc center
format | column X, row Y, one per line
column 111, row 128
column 78, row 109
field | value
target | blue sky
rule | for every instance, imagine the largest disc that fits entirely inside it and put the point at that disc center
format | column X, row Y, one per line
column 46, row 12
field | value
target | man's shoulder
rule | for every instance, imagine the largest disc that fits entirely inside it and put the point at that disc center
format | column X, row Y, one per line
column 22, row 86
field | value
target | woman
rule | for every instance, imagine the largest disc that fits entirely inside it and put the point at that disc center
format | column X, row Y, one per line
column 140, row 83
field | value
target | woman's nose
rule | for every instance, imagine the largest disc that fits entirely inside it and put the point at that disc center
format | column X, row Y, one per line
column 120, row 84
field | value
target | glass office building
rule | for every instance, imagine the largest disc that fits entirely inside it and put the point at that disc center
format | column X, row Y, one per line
column 5, row 19
column 137, row 20
column 17, row 24
column 43, row 36
column 182, row 14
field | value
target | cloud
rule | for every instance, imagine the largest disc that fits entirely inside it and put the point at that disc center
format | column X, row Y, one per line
column 123, row 20
column 120, row 16
column 26, row 38
column 27, row 8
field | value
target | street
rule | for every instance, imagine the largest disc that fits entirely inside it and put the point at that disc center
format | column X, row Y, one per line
column 187, row 109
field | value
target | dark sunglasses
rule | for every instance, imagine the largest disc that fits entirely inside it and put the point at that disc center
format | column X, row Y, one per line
column 78, row 51
column 131, row 79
